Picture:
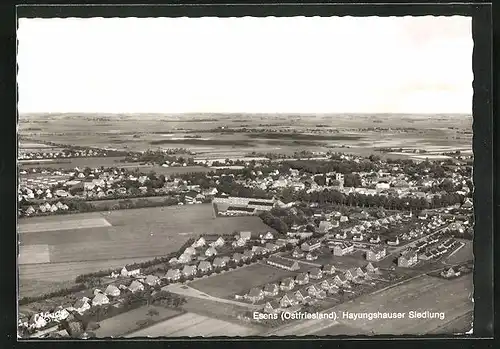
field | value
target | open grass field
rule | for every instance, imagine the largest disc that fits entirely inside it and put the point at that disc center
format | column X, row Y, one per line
column 194, row 325
column 120, row 325
column 361, row 132
column 64, row 224
column 35, row 279
column 420, row 294
column 131, row 234
column 465, row 254
column 241, row 280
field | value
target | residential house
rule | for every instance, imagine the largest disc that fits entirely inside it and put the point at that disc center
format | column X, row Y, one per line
column 301, row 296
column 204, row 266
column 344, row 219
column 287, row 284
column 152, row 280
column 370, row 269
column 173, row 275
column 256, row 294
column 313, row 289
column 237, row 257
column 271, row 290
column 343, row 249
column 302, row 279
column 407, row 259
column 136, row 286
column 82, row 305
column 311, row 256
column 283, row 263
column 450, row 273
column 246, row 235
column 267, row 236
column 272, row 307
column 259, row 250
column 340, row 280
column 288, row 300
column 329, row 269
column 311, row 245
column 112, row 291
column 375, row 254
column 354, row 273
column 248, row 254
column 325, row 226
column 185, row 258
column 218, row 243
column 100, row 299
column 189, row 270
column 240, row 242
column 341, row 236
column 271, row 247
column 199, row 243
column 297, row 253
column 375, row 240
column 211, row 251
column 316, row 273
column 326, row 284
column 219, row 262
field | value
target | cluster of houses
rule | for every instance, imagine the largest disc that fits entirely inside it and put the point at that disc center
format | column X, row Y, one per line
column 304, row 287
column 66, row 153
column 111, row 294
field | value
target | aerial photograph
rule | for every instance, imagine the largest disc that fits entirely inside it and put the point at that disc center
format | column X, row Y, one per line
column 234, row 177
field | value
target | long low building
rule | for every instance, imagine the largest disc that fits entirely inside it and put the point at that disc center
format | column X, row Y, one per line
column 243, row 205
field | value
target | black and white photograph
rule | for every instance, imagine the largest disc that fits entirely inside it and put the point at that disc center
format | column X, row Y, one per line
column 245, row 177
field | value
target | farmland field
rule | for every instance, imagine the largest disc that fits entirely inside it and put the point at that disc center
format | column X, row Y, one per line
column 137, row 233
column 63, row 224
column 420, row 294
column 463, row 255
column 194, row 325
column 241, row 280
column 124, row 323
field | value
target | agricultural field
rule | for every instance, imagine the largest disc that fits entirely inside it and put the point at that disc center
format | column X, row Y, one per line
column 242, row 280
column 420, row 294
column 194, row 325
column 361, row 133
column 462, row 255
column 122, row 324
column 128, row 234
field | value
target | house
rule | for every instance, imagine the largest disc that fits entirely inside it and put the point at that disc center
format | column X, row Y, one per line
column 190, row 251
column 199, row 243
column 407, row 259
column 124, row 272
column 311, row 245
column 393, row 242
column 302, row 279
column 343, row 219
column 248, row 254
column 211, row 251
column 112, row 291
column 271, row 247
column 333, row 290
column 219, row 242
column 267, row 236
column 287, row 284
column 288, row 300
column 259, row 250
column 100, row 299
column 37, row 321
column 173, row 275
column 354, row 273
column 370, row 269
column 325, row 226
column 189, row 270
column 329, row 269
column 375, row 254
column 152, row 280
column 239, row 242
column 245, row 235
column 375, row 240
column 311, row 256
column 297, row 253
column 321, row 294
column 343, row 249
column 283, row 263
column 136, row 286
column 341, row 236
column 326, row 285
column 237, row 257
column 312, row 290
column 340, row 280
column 135, row 272
column 82, row 305
column 316, row 273
column 272, row 307
column 255, row 294
column 450, row 273
column 271, row 290
column 204, row 266
column 219, row 262
column 301, row 296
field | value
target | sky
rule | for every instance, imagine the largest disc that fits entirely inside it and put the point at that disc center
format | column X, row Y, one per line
column 246, row 65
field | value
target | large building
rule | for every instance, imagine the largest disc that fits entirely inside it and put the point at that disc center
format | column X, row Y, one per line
column 239, row 205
